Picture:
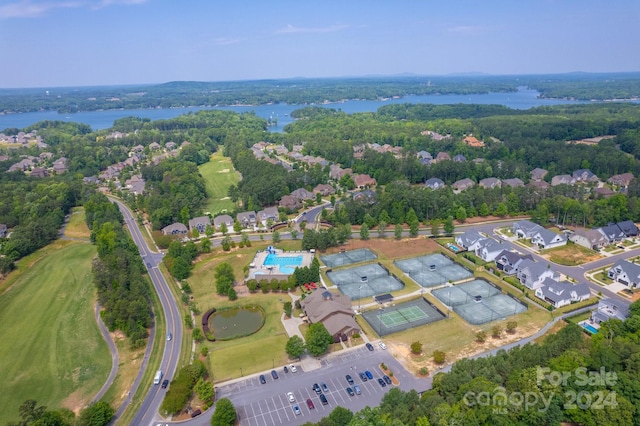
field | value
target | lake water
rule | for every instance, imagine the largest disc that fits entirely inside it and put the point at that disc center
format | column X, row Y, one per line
column 98, row 120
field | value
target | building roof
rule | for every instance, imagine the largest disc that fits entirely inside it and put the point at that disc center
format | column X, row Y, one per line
column 593, row 236
column 473, row 141
column 631, row 270
column 268, row 213
column 322, row 303
column 434, row 183
column 490, row 182
column 463, row 184
column 302, row 194
column 558, row 291
column 628, row 227
column 562, row 180
column 623, row 179
column 612, row 232
column 469, row 238
column 512, row 257
column 246, row 217
column 548, row 236
column 515, row 182
column 223, row 218
column 538, row 173
column 174, row 228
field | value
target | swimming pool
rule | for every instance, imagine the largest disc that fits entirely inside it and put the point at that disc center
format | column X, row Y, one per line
column 287, row 264
column 591, row 329
column 454, row 248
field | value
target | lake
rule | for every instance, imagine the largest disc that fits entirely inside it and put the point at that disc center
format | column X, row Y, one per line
column 98, row 120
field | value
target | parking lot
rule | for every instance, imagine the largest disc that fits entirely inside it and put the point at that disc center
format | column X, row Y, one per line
column 267, row 404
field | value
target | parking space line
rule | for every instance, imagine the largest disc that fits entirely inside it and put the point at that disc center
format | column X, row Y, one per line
column 261, row 413
column 284, row 406
column 267, row 411
column 275, row 406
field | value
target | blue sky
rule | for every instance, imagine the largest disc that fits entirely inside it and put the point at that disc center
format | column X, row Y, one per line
column 48, row 43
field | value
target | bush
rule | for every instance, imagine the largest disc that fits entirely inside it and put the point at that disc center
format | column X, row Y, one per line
column 439, row 357
column 416, row 348
column 424, row 371
column 511, row 327
column 481, row 336
column 496, row 331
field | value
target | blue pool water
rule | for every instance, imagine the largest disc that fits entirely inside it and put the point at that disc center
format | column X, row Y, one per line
column 590, row 328
column 287, row 264
column 454, row 248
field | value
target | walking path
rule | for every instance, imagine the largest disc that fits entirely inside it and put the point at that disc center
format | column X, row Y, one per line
column 115, row 359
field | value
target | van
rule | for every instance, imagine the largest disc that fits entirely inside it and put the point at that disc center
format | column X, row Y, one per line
column 157, row 377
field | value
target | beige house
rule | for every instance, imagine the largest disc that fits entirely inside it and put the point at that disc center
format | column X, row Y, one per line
column 333, row 310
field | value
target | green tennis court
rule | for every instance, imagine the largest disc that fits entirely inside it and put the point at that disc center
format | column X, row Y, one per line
column 395, row 318
column 402, row 316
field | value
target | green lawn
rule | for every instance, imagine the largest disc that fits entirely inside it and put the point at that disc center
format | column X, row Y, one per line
column 77, row 227
column 218, row 175
column 52, row 350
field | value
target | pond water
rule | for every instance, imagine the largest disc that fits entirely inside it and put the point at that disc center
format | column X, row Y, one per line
column 236, row 322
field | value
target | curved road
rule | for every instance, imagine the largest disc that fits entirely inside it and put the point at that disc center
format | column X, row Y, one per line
column 115, row 359
column 148, row 412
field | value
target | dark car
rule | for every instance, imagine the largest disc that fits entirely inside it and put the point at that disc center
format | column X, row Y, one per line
column 323, row 399
column 165, row 383
column 296, row 410
column 363, row 376
column 310, row 404
column 387, row 379
column 369, row 375
column 349, row 379
column 274, row 374
column 262, row 379
column 195, row 413
column 286, row 370
column 350, row 391
column 324, row 387
column 317, row 389
column 382, row 383
column 370, row 346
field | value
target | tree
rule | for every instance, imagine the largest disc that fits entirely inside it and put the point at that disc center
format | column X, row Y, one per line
column 435, row 227
column 205, row 245
column 276, row 237
column 197, row 335
column 295, row 347
column 223, row 228
column 318, row 339
column 484, row 210
column 439, row 357
column 461, row 214
column 288, row 308
column 98, row 414
column 481, row 336
column 511, row 327
column 237, row 227
column 225, row 413
column 364, row 232
column 294, row 234
column 416, row 348
column 340, row 416
column 381, row 229
column 496, row 331
column 414, row 227
column 448, row 226
column 501, row 210
column 224, row 278
column 232, row 294
column 397, row 231
column 245, row 240
column 204, row 390
column 226, row 243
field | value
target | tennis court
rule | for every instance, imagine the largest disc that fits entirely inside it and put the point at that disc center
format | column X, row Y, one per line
column 365, row 281
column 433, row 270
column 402, row 316
column 479, row 302
column 348, row 257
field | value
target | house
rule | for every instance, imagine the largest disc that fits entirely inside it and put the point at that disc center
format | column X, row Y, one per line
column 170, row 145
column 367, row 196
column 539, row 185
column 490, row 183
column 538, row 174
column 525, row 228
column 270, row 213
column 459, row 158
column 562, row 180
column 154, row 146
column 225, row 219
column 137, row 149
column 561, row 293
column 136, row 184
column 488, row 249
column 247, row 219
column 626, row 273
column 547, row 239
column 175, row 229
column 589, row 238
column 424, row 154
column 333, row 310
column 473, row 142
column 513, row 183
column 508, row 261
column 584, row 176
column 612, row 233
column 302, row 194
column 628, row 227
column 426, row 161
column 463, row 184
column 532, row 274
column 60, row 165
column 442, row 156
column 610, row 309
column 39, row 172
column 363, row 181
column 289, row 202
column 324, row 189
column 199, row 223
column 603, row 192
column 469, row 240
column 434, row 183
column 622, row 180
column 336, row 172
column 3, row 230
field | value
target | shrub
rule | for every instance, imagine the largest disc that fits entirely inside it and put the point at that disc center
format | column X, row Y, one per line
column 511, row 327
column 481, row 336
column 439, row 357
column 416, row 348
column 424, row 371
column 496, row 331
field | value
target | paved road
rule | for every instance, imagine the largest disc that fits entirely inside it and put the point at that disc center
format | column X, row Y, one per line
column 115, row 359
column 148, row 412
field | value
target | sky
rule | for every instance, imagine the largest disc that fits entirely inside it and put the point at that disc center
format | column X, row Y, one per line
column 52, row 43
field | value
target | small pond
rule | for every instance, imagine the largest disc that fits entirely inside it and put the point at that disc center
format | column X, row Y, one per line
column 236, row 322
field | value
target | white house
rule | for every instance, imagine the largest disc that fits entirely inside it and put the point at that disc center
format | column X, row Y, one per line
column 589, row 238
column 469, row 240
column 509, row 261
column 525, row 228
column 546, row 239
column 223, row 219
column 610, row 309
column 532, row 274
column 488, row 249
column 561, row 293
column 626, row 273
column 270, row 213
column 199, row 223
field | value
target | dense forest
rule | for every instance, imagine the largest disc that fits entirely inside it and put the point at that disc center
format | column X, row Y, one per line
column 308, row 91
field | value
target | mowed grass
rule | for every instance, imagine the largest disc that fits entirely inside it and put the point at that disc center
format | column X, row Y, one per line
column 52, row 350
column 218, row 175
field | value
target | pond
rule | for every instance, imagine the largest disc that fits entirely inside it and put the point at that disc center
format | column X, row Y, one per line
column 236, row 322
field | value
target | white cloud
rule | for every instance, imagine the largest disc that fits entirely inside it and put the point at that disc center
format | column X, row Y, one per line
column 291, row 29
column 29, row 9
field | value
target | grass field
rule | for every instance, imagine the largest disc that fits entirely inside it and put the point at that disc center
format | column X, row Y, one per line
column 571, row 255
column 218, row 175
column 77, row 227
column 52, row 349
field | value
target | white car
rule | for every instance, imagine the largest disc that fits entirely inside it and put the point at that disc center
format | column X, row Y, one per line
column 382, row 346
column 291, row 397
column 293, row 368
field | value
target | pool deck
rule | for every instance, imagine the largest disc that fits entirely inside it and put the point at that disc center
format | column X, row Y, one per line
column 259, row 270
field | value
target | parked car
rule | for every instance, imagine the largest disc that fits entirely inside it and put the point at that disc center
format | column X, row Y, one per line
column 323, row 399
column 286, row 370
column 296, row 410
column 293, row 368
column 195, row 413
column 387, row 379
column 369, row 375
column 350, row 391
column 382, row 346
column 382, row 383
column 165, row 383
column 310, row 404
column 363, row 376
column 324, row 387
column 317, row 389
column 349, row 379
column 369, row 346
column 262, row 379
column 274, row 374
column 291, row 397
column 356, row 389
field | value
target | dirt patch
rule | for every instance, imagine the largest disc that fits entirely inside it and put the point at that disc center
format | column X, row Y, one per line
column 224, row 171
column 391, row 248
column 75, row 402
